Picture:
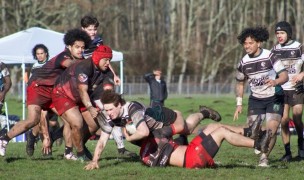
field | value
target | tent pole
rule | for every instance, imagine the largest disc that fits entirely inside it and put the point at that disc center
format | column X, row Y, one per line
column 23, row 95
column 121, row 77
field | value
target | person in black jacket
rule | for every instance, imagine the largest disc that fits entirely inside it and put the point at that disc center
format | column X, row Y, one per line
column 158, row 88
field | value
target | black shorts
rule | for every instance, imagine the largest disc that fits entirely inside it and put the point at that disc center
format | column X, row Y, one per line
column 162, row 114
column 292, row 98
column 274, row 105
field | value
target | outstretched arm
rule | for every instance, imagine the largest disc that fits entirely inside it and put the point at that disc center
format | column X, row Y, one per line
column 117, row 80
column 98, row 150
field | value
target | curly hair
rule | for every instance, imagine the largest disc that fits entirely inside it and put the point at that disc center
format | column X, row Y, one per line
column 88, row 20
column 76, row 35
column 109, row 97
column 40, row 46
column 259, row 34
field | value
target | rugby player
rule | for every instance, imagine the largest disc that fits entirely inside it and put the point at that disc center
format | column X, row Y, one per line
column 265, row 74
column 290, row 52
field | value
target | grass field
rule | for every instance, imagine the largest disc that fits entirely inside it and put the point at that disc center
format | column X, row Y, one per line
column 233, row 162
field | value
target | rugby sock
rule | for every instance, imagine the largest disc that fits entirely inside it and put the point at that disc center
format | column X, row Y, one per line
column 5, row 137
column 68, row 150
column 247, row 132
column 287, row 148
column 205, row 113
column 300, row 144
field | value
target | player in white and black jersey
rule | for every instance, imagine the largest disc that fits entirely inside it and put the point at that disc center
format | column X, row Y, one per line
column 118, row 112
column 290, row 52
column 265, row 74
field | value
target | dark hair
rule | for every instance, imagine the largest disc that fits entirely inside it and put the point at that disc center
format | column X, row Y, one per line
column 108, row 97
column 259, row 34
column 76, row 35
column 88, row 20
column 40, row 46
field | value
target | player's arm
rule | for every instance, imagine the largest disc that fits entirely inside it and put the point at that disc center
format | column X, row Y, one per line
column 85, row 99
column 116, row 78
column 98, row 151
column 142, row 131
column 239, row 91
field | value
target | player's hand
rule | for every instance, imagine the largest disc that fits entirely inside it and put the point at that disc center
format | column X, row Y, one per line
column 46, row 146
column 117, row 80
column 127, row 136
column 238, row 110
column 93, row 111
column 271, row 83
column 92, row 165
column 297, row 78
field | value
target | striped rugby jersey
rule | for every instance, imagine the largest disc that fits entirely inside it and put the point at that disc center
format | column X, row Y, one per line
column 292, row 58
column 257, row 70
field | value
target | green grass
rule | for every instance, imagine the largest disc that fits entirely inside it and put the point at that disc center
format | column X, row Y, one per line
column 234, row 163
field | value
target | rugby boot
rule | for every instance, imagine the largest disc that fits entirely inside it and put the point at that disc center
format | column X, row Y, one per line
column 3, row 144
column 83, row 158
column 70, row 156
column 286, row 158
column 255, row 128
column 126, row 153
column 210, row 113
column 30, row 143
column 263, row 161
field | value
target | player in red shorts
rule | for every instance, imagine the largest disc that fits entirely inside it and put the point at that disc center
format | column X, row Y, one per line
column 159, row 151
column 71, row 94
column 41, row 83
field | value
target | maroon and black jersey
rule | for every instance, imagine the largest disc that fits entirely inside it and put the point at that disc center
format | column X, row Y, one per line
column 82, row 72
column 49, row 72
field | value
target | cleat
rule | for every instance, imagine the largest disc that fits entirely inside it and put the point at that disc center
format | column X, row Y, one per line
column 3, row 144
column 286, row 158
column 87, row 153
column 70, row 156
column 301, row 153
column 214, row 115
column 126, row 153
column 257, row 152
column 263, row 162
column 255, row 128
column 30, row 143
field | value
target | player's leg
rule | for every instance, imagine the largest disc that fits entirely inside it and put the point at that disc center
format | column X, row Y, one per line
column 286, row 134
column 74, row 119
column 194, row 119
column 34, row 112
column 297, row 118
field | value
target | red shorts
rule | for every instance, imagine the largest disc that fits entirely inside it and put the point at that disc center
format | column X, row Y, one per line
column 196, row 155
column 61, row 102
column 39, row 95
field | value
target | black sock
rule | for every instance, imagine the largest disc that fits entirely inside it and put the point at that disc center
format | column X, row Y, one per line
column 68, row 150
column 300, row 144
column 287, row 148
column 205, row 113
column 247, row 132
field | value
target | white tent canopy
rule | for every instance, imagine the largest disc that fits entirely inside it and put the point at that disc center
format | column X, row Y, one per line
column 17, row 48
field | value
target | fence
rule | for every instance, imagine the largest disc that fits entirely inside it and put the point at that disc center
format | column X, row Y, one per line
column 136, row 85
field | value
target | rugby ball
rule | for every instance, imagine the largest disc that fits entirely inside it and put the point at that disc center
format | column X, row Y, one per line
column 131, row 129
